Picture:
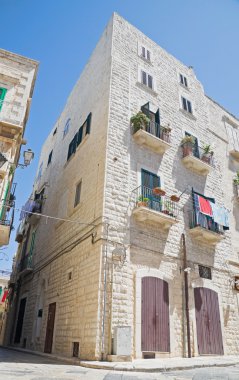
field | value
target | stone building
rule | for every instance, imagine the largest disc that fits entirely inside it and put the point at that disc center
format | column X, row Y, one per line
column 17, row 79
column 127, row 214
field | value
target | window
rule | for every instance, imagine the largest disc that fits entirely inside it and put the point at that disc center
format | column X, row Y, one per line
column 183, row 80
column 2, row 96
column 67, row 127
column 79, row 136
column 145, row 53
column 205, row 272
column 186, row 105
column 146, row 79
column 77, row 194
column 69, row 276
column 54, row 131
column 49, row 158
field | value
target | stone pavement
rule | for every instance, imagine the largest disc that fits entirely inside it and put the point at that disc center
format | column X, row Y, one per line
column 19, row 364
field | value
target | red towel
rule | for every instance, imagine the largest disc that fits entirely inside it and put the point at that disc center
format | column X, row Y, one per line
column 4, row 296
column 205, row 206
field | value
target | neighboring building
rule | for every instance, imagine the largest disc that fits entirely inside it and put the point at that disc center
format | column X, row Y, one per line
column 4, row 278
column 17, row 79
column 113, row 263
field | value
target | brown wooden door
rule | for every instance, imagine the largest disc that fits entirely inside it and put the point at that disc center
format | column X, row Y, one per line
column 209, row 334
column 155, row 334
column 50, row 327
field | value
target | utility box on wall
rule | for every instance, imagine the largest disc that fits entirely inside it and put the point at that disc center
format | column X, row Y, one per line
column 122, row 340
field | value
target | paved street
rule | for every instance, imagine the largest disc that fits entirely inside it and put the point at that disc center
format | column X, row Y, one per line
column 19, row 365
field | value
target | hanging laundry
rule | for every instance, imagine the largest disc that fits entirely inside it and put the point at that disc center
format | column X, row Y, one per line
column 220, row 215
column 28, row 207
column 205, row 206
column 4, row 296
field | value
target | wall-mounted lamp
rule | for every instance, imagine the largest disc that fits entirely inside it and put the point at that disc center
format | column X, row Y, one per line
column 28, row 156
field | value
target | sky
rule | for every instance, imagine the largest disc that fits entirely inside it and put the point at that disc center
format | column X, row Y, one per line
column 61, row 34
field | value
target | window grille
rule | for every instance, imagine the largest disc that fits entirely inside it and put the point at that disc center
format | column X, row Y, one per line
column 205, row 272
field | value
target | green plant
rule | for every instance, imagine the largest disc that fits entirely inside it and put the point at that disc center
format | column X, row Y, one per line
column 139, row 121
column 236, row 179
column 12, row 169
column 207, row 149
column 188, row 140
column 166, row 129
column 141, row 198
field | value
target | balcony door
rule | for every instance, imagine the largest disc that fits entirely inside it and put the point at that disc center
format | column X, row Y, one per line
column 154, row 124
column 195, row 146
column 149, row 182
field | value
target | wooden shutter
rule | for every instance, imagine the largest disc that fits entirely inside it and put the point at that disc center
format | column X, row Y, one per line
column 88, row 121
column 148, row 55
column 80, row 134
column 149, row 180
column 144, row 77
column 150, row 81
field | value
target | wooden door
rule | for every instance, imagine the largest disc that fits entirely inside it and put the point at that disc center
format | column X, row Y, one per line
column 155, row 334
column 20, row 319
column 209, row 334
column 50, row 327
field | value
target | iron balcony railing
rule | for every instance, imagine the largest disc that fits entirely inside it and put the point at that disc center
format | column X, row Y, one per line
column 147, row 197
column 158, row 130
column 197, row 219
column 190, row 149
column 11, row 112
column 25, row 263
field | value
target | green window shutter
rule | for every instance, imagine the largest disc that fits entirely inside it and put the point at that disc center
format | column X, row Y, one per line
column 3, row 208
column 2, row 96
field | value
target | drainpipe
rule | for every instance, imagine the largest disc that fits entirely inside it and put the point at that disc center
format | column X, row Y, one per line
column 186, row 295
column 105, row 265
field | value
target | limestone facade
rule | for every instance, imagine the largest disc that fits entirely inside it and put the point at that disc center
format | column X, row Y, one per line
column 93, row 243
column 17, row 80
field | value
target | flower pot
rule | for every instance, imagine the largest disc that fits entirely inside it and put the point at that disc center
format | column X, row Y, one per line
column 158, row 191
column 165, row 136
column 206, row 157
column 142, row 204
column 174, row 198
column 166, row 212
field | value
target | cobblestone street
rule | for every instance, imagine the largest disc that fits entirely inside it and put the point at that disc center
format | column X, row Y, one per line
column 20, row 365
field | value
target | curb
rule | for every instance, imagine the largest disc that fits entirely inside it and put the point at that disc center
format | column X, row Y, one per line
column 157, row 369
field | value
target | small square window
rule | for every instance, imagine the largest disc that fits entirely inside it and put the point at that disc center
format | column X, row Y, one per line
column 49, row 158
column 77, row 194
column 187, row 105
column 40, row 312
column 183, row 80
column 69, row 276
column 205, row 272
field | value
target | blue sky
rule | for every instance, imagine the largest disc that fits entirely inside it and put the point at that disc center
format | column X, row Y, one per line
column 61, row 35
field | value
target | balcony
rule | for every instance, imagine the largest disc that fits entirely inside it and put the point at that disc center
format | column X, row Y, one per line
column 11, row 118
column 36, row 211
column 204, row 229
column 150, row 207
column 5, row 229
column 25, row 266
column 20, row 231
column 195, row 159
column 154, row 136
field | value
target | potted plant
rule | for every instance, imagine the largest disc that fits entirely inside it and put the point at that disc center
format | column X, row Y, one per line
column 187, row 144
column 165, row 133
column 142, row 201
column 139, row 121
column 158, row 191
column 207, row 153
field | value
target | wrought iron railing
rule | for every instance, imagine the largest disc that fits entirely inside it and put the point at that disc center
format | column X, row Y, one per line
column 146, row 197
column 190, row 149
column 158, row 130
column 11, row 112
column 197, row 219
